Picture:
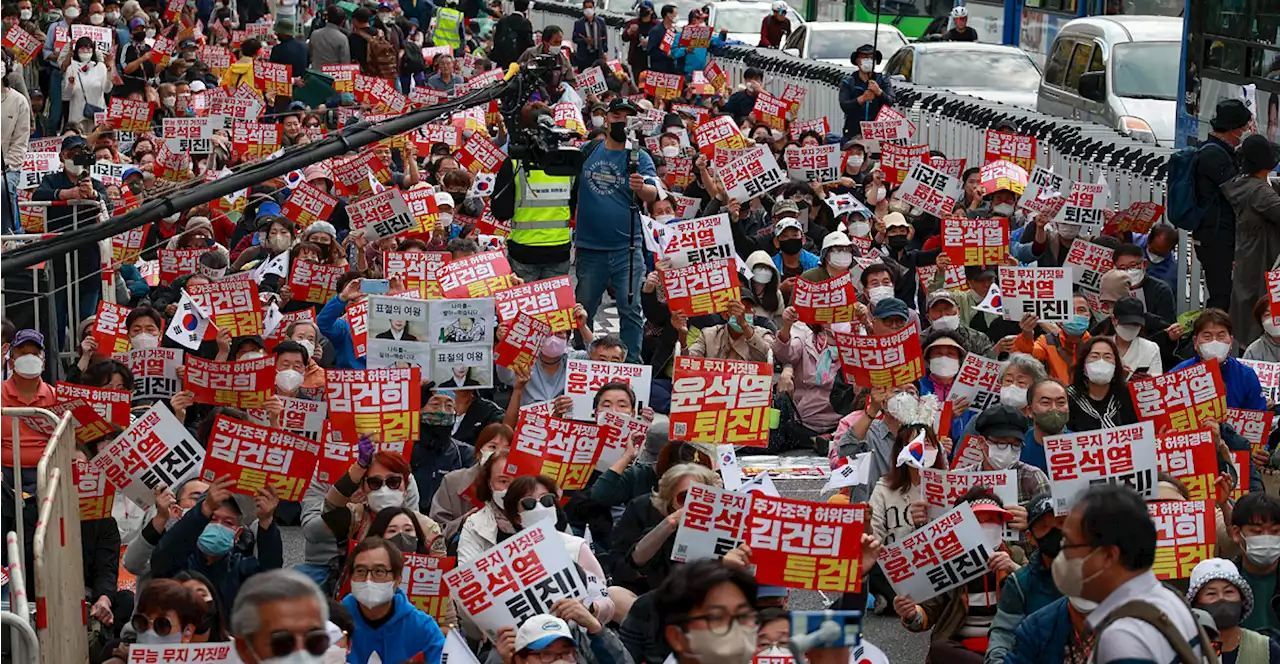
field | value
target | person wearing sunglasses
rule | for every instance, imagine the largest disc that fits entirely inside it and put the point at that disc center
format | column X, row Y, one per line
column 386, row 622
column 642, row 542
column 280, row 619
column 167, row 613
column 533, row 500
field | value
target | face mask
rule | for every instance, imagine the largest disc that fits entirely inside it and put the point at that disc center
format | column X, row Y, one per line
column 1128, row 332
column 73, row 169
column 944, row 367
column 1077, row 326
column 1068, row 231
column 384, row 498
column 1225, row 614
column 880, row 192
column 252, row 355
column 736, row 326
column 734, row 647
column 28, row 366
column 1051, row 422
column 1003, row 210
column 168, row 101
column 774, row 651
column 84, row 56
column 1001, row 457
column 1270, row 327
column 994, row 534
column 407, row 542
column 762, row 275
column 946, row 323
column 311, row 348
column 278, row 243
column 145, row 341
column 1215, row 350
column 840, row 259
column 554, row 346
column 866, row 65
column 1013, row 396
column 54, row 14
column 216, row 540
column 1051, row 543
column 288, row 380
column 1100, row 372
column 1262, row 549
column 664, row 218
column 334, row 655
column 499, row 496
column 150, row 638
column 71, row 13
column 373, row 594
column 856, row 161
column 897, row 242
column 1068, row 574
column 1135, row 276
column 1083, row 605
column 671, row 151
column 842, row 328
column 618, row 131
column 25, row 14
column 539, row 514
column 97, row 19
column 597, row 121
column 879, row 293
column 791, row 247
column 112, row 17
column 1156, row 258
column 777, row 135
column 589, row 13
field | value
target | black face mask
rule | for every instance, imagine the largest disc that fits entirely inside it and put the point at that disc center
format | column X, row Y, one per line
column 618, row 131
column 139, row 36
column 897, row 242
column 1050, row 544
column 1225, row 614
column 791, row 247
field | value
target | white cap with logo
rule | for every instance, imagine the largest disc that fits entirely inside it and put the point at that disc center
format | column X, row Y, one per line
column 541, row 631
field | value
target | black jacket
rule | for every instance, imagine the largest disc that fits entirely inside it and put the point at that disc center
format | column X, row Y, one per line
column 512, row 28
column 100, row 548
column 481, row 414
column 1159, row 300
column 638, row 519
column 177, row 551
column 739, row 105
column 431, row 462
column 1216, row 165
column 658, row 59
column 851, row 88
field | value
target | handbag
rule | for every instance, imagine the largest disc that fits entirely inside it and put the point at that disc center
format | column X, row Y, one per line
column 90, row 111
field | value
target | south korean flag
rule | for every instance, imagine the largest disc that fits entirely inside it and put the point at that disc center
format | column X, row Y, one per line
column 189, row 324
column 482, row 187
column 277, row 265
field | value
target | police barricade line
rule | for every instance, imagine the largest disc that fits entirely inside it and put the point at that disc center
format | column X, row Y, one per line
column 17, row 615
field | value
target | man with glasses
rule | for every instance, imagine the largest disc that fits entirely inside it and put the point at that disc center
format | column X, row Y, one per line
column 281, row 614
column 386, row 623
column 708, row 613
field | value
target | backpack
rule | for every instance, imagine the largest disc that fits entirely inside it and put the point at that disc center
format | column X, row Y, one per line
column 1154, row 616
column 380, row 56
column 506, row 42
column 413, row 61
column 1185, row 210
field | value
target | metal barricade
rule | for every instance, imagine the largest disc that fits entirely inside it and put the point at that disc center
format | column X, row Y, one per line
column 26, row 649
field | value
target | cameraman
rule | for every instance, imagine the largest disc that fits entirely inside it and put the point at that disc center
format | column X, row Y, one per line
column 537, row 205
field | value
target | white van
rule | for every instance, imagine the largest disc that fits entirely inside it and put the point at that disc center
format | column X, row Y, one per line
column 1120, row 71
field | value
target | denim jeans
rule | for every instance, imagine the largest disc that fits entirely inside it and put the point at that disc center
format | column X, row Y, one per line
column 12, row 223
column 599, row 269
column 530, row 272
column 317, row 573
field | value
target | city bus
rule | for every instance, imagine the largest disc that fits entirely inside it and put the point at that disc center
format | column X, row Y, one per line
column 1231, row 48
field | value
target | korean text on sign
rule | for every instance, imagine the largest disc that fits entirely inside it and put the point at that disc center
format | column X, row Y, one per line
column 930, row 189
column 480, row 275
column 109, row 328
column 721, row 401
column 802, row 544
column 832, row 301
column 700, row 240
column 897, row 160
column 713, row 523
column 1253, row 425
column 1043, row 291
column 1186, row 533
column 417, row 270
column 239, row 384
column 156, row 449
column 1192, row 458
column 819, row 164
column 233, row 306
column 1119, row 455
column 940, row 489
column 154, row 371
column 1009, row 146
column 701, row 288
column 383, row 403
column 204, row 653
column 1181, row 400
column 975, row 241
column 550, row 301
column 257, row 456
column 97, row 495
column 563, row 450
column 587, row 376
column 517, row 349
column 751, row 173
column 423, row 583
column 314, row 282
column 979, row 381
column 1088, row 262
column 884, row 361
column 943, row 554
column 521, row 577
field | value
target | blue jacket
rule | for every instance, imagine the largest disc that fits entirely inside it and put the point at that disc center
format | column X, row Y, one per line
column 958, row 420
column 1026, row 591
column 695, row 59
column 658, row 59
column 334, row 328
column 851, row 88
column 1033, row 452
column 408, row 633
column 808, row 260
column 176, row 551
column 1166, row 270
column 1042, row 636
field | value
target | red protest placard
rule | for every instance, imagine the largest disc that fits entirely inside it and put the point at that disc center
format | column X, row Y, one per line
column 830, row 301
column 803, row 544
column 97, row 495
column 240, row 384
column 889, row 125
column 232, row 305
column 770, row 110
column 884, row 361
column 1002, row 174
column 109, row 329
column 819, row 125
column 217, row 58
column 308, row 204
column 1186, row 533
column 357, row 317
column 550, row 301
column 1273, row 294
column 1008, row 146
column 1254, row 425
column 253, row 140
column 1192, row 458
column 1183, row 399
column 481, row 275
column 720, row 132
column 129, row 115
column 480, row 155
column 518, row 348
column 564, row 450
column 1137, row 218
column 383, row 403
column 314, row 282
column 273, row 77
column 975, row 241
column 343, row 76
column 896, row 160
column 701, row 288
column 162, row 50
column 422, row 205
column 952, row 167
column 417, row 270
column 23, row 44
column 257, row 456
column 112, row 405
column 423, row 583
column 695, row 36
column 721, row 401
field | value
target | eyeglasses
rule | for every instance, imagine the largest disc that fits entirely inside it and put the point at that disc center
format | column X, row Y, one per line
column 375, row 483
column 285, row 643
column 378, row 573
column 142, row 623
column 720, row 622
column 547, row 656
column 528, row 503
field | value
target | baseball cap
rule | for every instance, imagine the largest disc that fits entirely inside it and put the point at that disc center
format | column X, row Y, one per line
column 136, row 22
column 785, row 208
column 1129, row 311
column 836, row 239
column 940, row 296
column 1041, row 505
column 443, row 198
column 28, row 336
column 890, row 307
column 785, row 223
column 764, row 592
column 132, row 170
column 541, row 631
column 622, row 104
column 895, row 219
column 1001, row 421
column 981, row 507
column 73, row 141
column 196, row 86
column 186, row 44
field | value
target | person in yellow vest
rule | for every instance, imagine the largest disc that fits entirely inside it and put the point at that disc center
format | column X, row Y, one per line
column 241, row 71
column 449, row 28
column 537, row 206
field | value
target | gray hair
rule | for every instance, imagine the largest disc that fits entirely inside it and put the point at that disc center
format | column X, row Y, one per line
column 272, row 586
column 663, row 499
column 1026, row 364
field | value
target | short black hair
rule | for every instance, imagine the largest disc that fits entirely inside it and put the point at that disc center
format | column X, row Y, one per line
column 874, row 268
column 1127, row 249
column 1115, row 515
column 522, row 5
column 1211, row 317
column 99, row 373
column 687, row 586
column 361, row 15
column 550, row 32
column 614, row 385
column 611, row 340
column 668, row 9
column 753, row 74
column 335, row 16
column 250, row 47
column 144, row 311
column 1162, row 229
column 1257, row 508
column 291, row 346
column 970, row 171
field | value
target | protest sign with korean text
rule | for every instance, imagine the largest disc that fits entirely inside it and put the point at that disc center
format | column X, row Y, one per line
column 417, row 270
column 832, row 301
column 1181, row 400
column 1186, row 533
column 1045, row 292
column 979, row 381
column 1084, row 206
column 819, row 164
column 942, row 489
column 1119, row 455
column 384, row 403
column 881, row 361
column 1192, row 458
column 1268, row 377
column 896, row 160
column 192, row 653
column 111, row 404
column 1008, row 146
column 461, row 336
column 712, row 525
column 889, row 125
column 155, row 449
column 301, row 416
column 806, row 545
column 97, row 495
column 945, row 553
column 751, row 173
column 239, row 384
column 721, row 401
column 154, row 371
column 550, row 301
column 314, row 282
column 931, row 189
column 522, row 343
column 586, row 376
column 109, row 328
column 1253, row 425
column 308, row 204
column 382, row 215
column 423, row 583
column 701, row 288
column 699, row 240
column 175, row 263
column 480, row 275
column 232, row 305
column 975, row 241
column 564, row 450
column 720, row 132
column 770, row 111
column 1088, row 262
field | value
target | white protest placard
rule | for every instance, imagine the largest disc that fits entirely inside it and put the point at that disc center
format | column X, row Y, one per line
column 384, row 214
column 301, row 416
column 942, row 488
column 1085, row 206
column 1088, row 262
column 1119, row 455
column 591, row 81
column 979, row 381
column 712, row 524
column 943, row 554
column 519, row 578
column 1043, row 291
column 612, row 449
column 461, row 336
column 930, row 189
column 586, row 376
column 398, row 333
column 1044, row 187
column 700, row 240
column 820, row 164
column 191, row 653
column 155, row 449
column 155, row 371
column 456, row 650
column 751, row 173
column 1268, row 377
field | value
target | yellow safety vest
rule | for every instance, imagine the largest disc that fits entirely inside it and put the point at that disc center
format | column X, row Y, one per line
column 446, row 32
column 542, row 212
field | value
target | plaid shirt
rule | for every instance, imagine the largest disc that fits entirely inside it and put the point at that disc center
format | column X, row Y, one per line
column 1031, row 481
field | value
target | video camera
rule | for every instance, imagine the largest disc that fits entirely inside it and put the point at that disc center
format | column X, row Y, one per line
column 546, row 146
column 811, row 630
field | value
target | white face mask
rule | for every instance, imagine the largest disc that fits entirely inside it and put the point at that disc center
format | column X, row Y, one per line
column 97, row 19
column 373, row 593
column 71, row 12
column 1262, row 549
column 1001, row 457
column 840, row 259
column 384, row 498
column 944, row 367
column 1068, row 231
column 671, row 151
column 73, row 169
column 1215, row 350
column 168, row 101
column 288, row 380
column 880, row 193
column 112, row 17
column 856, row 161
column 597, row 121
column 145, row 341
column 1156, row 258
column 762, row 275
column 1003, row 210
column 538, row 514
column 311, row 348
column 1013, row 396
column 25, row 14
column 252, row 355
column 445, row 218
column 930, row 458
column 1128, row 332
column 994, row 534
column 28, row 366
column 664, row 218
column 866, row 65
column 499, row 496
column 84, row 56
column 1270, row 327
column 878, row 293
column 1135, row 276
column 151, row 33
column 1100, row 372
column 842, row 328
column 150, row 638
column 947, row 323
column 1082, row 605
column 589, row 13
column 859, row 229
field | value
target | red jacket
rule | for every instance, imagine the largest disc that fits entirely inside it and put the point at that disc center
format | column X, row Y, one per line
column 772, row 31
